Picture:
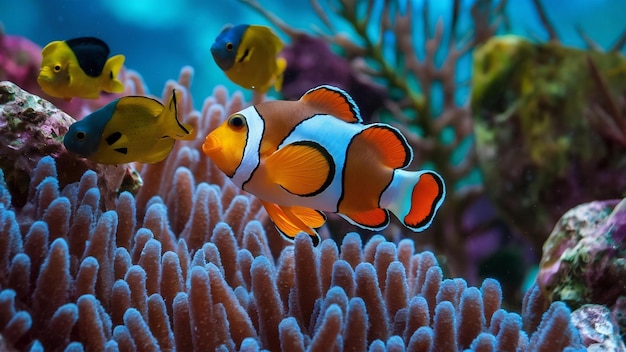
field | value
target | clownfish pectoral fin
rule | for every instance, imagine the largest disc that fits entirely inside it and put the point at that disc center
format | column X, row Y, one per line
column 414, row 197
column 290, row 221
column 374, row 220
column 333, row 101
column 281, row 65
column 303, row 168
column 111, row 69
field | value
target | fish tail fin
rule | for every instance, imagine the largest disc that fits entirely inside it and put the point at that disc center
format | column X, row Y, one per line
column 110, row 72
column 281, row 65
column 414, row 197
column 174, row 128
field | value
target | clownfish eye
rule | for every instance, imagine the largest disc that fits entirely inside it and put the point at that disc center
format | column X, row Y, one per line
column 229, row 46
column 57, row 68
column 81, row 135
column 236, row 122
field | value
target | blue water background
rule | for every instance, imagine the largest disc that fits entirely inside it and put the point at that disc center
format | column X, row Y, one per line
column 159, row 37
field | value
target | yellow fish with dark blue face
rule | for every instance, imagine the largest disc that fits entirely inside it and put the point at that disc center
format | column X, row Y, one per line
column 248, row 54
column 132, row 128
column 79, row 67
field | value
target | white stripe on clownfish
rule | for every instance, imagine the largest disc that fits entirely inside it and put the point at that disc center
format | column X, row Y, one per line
column 251, row 155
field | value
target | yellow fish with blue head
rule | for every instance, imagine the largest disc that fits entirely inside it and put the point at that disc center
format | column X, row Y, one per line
column 129, row 129
column 302, row 158
column 79, row 67
column 248, row 55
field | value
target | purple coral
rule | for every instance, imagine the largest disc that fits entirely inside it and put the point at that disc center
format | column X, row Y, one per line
column 155, row 293
column 311, row 63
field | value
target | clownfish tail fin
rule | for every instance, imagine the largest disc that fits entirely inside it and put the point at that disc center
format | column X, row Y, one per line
column 110, row 72
column 414, row 197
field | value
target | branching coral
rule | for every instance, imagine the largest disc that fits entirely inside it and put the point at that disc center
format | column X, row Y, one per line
column 422, row 68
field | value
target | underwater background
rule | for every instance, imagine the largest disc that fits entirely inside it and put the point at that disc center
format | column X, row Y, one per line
column 528, row 132
column 159, row 37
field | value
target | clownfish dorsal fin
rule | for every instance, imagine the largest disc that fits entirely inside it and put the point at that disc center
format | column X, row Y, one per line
column 333, row 101
column 395, row 151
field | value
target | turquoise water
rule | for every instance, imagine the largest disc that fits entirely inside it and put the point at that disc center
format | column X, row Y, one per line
column 159, row 37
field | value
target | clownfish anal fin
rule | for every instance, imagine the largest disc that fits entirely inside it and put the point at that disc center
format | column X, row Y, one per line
column 303, row 168
column 333, row 101
column 394, row 150
column 374, row 220
column 290, row 221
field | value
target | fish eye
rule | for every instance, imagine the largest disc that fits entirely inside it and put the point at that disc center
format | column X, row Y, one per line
column 80, row 135
column 57, row 68
column 229, row 46
column 236, row 122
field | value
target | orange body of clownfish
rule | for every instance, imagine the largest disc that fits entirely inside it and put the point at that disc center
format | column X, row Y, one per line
column 303, row 158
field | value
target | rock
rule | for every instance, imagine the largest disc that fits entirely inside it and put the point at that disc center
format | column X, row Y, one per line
column 584, row 258
column 597, row 331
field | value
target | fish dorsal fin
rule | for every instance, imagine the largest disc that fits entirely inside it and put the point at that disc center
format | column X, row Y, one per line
column 333, row 101
column 136, row 106
column 265, row 34
column 302, row 168
column 393, row 147
column 290, row 221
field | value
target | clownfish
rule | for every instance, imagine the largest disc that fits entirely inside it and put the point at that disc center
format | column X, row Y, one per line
column 248, row 54
column 128, row 129
column 79, row 67
column 302, row 158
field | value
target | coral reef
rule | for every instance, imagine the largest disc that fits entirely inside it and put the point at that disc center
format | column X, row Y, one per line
column 550, row 123
column 83, row 278
column 424, row 69
column 583, row 258
column 188, row 264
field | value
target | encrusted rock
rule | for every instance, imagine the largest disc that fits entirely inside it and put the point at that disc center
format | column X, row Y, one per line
column 31, row 128
column 597, row 331
column 584, row 259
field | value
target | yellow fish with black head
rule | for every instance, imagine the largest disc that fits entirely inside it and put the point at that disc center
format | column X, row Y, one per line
column 79, row 67
column 248, row 54
column 132, row 128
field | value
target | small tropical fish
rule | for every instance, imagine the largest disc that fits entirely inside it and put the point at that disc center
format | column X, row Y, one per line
column 79, row 67
column 248, row 56
column 302, row 158
column 132, row 128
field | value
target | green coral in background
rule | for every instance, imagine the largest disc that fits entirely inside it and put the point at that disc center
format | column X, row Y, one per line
column 550, row 128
